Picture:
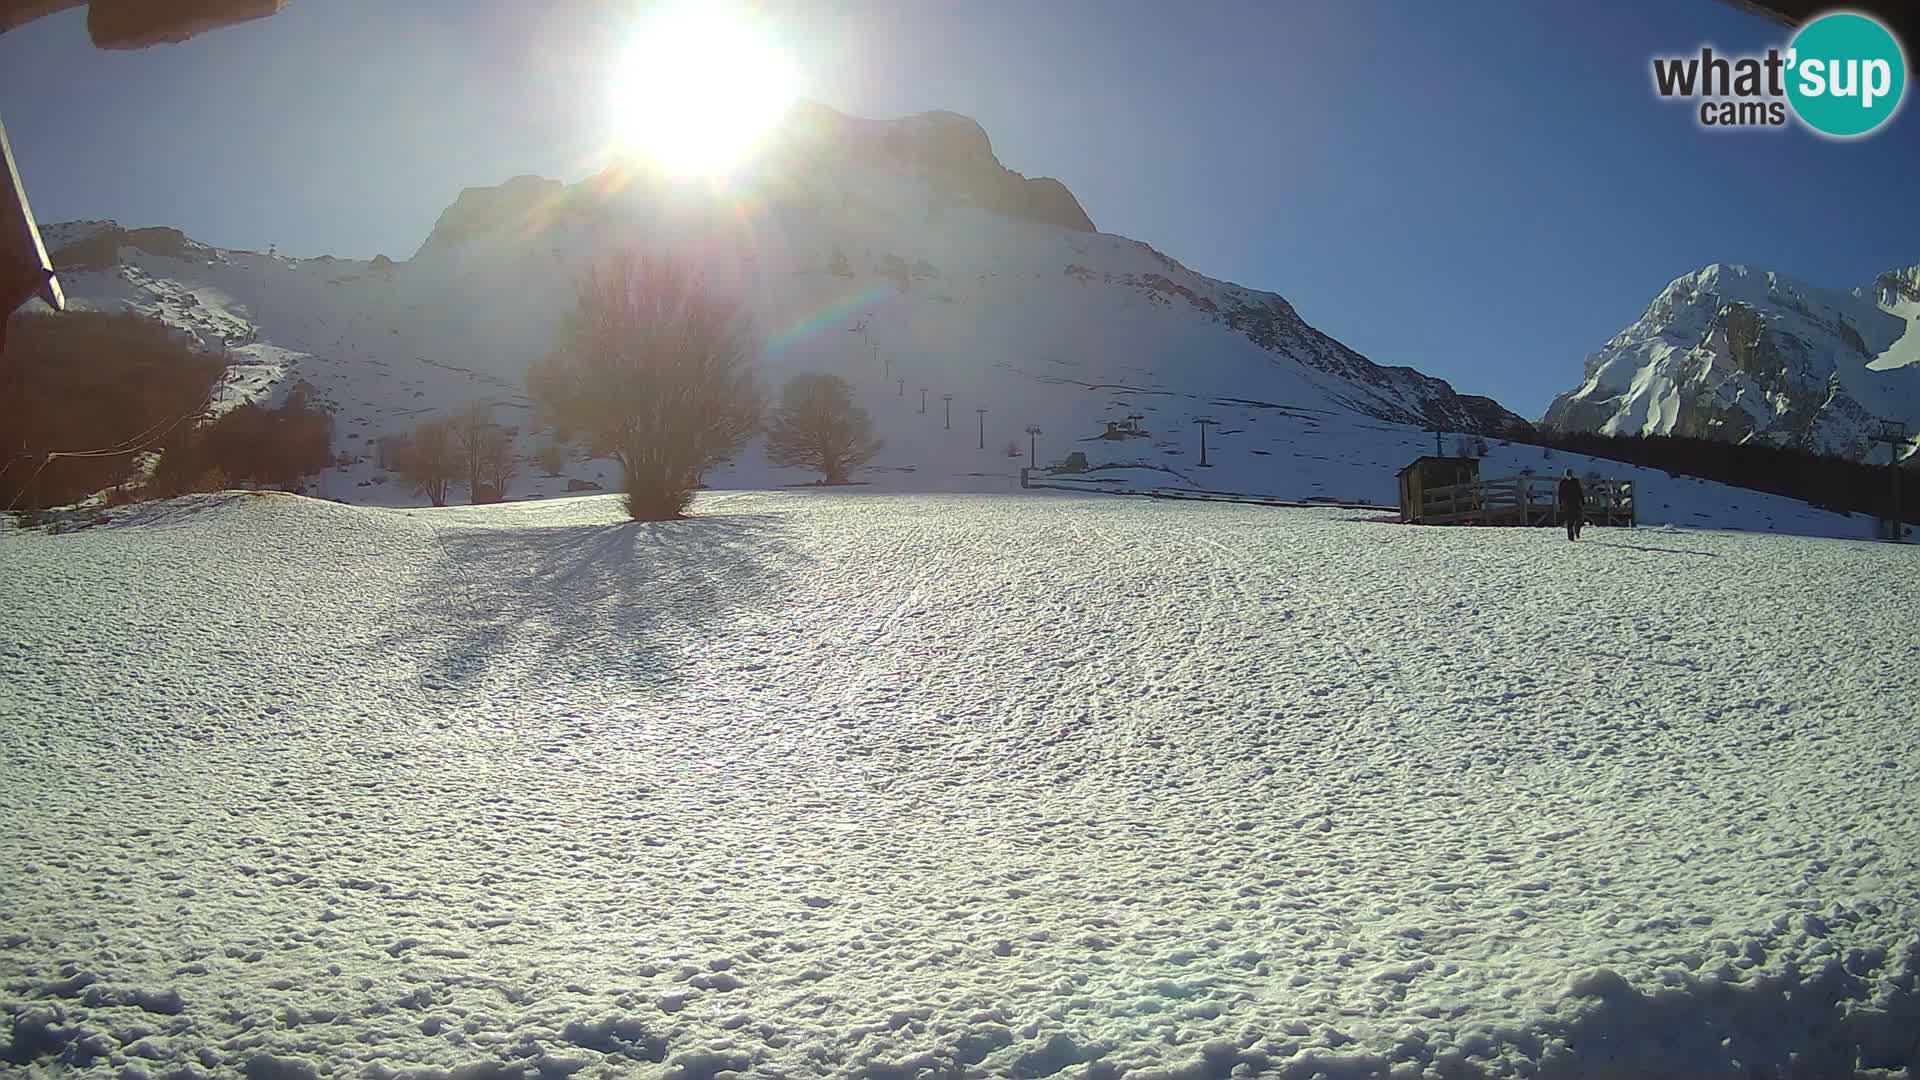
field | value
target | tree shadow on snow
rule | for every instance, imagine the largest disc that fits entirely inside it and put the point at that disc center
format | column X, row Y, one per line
column 631, row 601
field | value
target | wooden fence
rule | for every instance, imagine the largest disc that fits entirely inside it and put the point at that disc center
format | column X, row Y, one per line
column 1523, row 500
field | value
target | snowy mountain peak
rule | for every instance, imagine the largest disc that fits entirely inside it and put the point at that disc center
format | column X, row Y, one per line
column 1734, row 352
column 952, row 151
column 946, row 159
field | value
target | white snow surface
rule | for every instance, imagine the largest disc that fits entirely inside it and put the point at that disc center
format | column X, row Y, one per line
column 824, row 784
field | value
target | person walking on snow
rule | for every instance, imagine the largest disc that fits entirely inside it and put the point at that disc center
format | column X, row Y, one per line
column 1573, row 504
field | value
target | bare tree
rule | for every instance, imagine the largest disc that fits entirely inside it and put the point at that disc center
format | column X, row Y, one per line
column 427, row 461
column 497, row 465
column 655, row 368
column 551, row 457
column 472, row 427
column 817, row 426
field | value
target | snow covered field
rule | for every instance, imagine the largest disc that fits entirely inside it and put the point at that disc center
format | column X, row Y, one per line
column 870, row 785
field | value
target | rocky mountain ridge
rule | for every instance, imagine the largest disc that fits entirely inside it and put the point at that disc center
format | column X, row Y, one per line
column 1737, row 353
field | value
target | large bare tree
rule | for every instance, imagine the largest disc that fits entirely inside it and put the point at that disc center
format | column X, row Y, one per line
column 817, row 426
column 654, row 367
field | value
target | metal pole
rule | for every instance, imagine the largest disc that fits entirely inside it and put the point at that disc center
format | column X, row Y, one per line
column 22, row 252
column 983, row 427
column 923, row 401
column 948, row 398
column 1893, row 466
column 1894, row 434
column 903, row 387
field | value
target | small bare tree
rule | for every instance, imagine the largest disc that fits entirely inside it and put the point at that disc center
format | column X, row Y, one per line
column 473, row 431
column 655, row 368
column 817, row 426
column 497, row 465
column 551, row 457
column 427, row 461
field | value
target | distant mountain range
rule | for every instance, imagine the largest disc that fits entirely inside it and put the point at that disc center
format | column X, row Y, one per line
column 1734, row 353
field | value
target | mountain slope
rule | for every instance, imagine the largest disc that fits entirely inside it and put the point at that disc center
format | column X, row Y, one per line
column 970, row 279
column 1736, row 353
column 899, row 255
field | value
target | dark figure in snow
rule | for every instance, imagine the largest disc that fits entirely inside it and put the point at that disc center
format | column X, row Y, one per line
column 1573, row 504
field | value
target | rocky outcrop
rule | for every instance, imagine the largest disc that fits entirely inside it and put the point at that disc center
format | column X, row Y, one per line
column 953, row 151
column 950, row 151
column 518, row 202
column 100, row 248
column 1898, row 286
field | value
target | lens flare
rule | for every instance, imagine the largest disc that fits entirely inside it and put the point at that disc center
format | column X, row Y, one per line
column 698, row 87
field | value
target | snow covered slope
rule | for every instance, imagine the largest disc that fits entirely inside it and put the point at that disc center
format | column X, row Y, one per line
column 969, row 280
column 1733, row 353
column 834, row 785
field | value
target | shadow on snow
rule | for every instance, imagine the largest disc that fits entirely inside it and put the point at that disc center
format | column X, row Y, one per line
column 1657, row 550
column 631, row 601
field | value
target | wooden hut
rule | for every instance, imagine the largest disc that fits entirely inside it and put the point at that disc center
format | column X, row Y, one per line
column 1449, row 491
column 1427, row 474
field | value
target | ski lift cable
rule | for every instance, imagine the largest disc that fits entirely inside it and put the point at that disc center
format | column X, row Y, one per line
column 141, row 442
column 145, row 440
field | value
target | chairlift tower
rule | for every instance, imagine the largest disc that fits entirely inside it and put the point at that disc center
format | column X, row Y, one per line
column 1033, row 443
column 948, row 398
column 982, row 410
column 923, row 401
column 1894, row 434
column 1203, row 422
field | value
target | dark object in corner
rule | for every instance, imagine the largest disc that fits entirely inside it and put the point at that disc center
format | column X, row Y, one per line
column 137, row 24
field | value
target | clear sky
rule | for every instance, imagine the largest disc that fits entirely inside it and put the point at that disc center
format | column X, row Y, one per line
column 1485, row 191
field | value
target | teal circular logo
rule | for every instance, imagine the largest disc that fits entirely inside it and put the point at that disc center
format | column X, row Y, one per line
column 1845, row 74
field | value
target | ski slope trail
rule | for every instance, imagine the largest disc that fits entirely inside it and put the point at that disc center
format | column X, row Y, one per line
column 822, row 784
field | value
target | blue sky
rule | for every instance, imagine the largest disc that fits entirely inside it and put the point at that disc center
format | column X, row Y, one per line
column 1486, row 192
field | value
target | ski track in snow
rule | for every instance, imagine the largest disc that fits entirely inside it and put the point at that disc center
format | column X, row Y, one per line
column 825, row 785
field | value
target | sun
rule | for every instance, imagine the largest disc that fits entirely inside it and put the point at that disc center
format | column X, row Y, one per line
column 698, row 87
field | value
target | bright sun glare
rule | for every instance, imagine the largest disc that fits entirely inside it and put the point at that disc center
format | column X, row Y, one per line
column 698, row 87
